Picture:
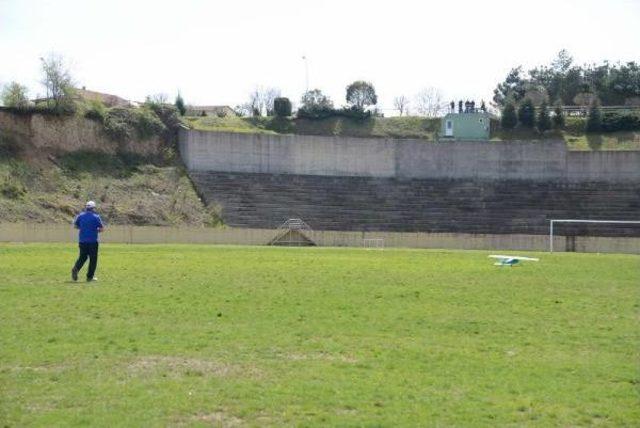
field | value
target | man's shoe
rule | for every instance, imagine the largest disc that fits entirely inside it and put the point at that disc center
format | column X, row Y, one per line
column 74, row 274
column 92, row 279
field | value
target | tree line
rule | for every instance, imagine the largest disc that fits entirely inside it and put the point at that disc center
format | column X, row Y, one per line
column 568, row 84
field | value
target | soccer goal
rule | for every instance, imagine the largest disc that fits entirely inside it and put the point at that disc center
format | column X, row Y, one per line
column 373, row 243
column 555, row 221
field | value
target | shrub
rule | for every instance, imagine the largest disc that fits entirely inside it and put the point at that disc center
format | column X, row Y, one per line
column 282, row 107
column 96, row 111
column 558, row 117
column 118, row 124
column 353, row 112
column 315, row 112
column 12, row 188
column 123, row 124
column 168, row 115
column 526, row 113
column 543, row 121
column 594, row 118
column 508, row 119
column 147, row 123
column 575, row 125
column 612, row 122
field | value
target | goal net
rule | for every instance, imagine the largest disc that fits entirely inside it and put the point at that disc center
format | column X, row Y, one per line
column 373, row 243
column 553, row 225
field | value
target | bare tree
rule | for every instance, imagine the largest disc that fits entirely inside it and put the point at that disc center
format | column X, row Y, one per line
column 268, row 97
column 261, row 100
column 159, row 98
column 57, row 81
column 254, row 105
column 401, row 104
column 429, row 102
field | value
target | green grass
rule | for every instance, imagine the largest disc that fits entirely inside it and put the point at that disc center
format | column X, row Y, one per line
column 377, row 127
column 201, row 335
column 611, row 141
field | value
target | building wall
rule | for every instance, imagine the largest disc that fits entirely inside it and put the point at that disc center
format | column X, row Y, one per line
column 467, row 126
column 376, row 157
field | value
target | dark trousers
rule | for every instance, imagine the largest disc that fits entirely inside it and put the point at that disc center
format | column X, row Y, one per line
column 90, row 251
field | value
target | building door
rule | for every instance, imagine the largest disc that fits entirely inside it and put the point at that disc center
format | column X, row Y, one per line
column 448, row 129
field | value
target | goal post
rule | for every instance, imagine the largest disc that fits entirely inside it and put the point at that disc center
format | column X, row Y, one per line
column 373, row 243
column 583, row 221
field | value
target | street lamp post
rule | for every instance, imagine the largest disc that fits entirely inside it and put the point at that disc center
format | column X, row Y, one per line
column 306, row 71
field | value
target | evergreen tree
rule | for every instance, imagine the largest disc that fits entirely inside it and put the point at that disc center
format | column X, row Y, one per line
column 543, row 121
column 558, row 116
column 527, row 113
column 282, row 107
column 594, row 118
column 179, row 103
column 508, row 119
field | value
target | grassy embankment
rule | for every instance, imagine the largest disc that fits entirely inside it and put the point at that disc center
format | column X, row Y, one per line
column 398, row 127
column 201, row 335
column 402, row 127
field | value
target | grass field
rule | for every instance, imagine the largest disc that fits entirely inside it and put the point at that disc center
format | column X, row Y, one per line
column 235, row 336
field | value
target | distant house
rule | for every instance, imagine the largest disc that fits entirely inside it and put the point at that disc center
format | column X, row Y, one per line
column 107, row 99
column 220, row 111
column 466, row 126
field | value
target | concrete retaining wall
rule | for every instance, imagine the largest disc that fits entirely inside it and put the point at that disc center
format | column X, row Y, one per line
column 23, row 232
column 621, row 166
column 374, row 157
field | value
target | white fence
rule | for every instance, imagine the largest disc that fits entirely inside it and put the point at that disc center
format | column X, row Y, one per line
column 25, row 232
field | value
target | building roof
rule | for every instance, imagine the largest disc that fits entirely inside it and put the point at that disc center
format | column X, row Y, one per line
column 109, row 100
column 208, row 108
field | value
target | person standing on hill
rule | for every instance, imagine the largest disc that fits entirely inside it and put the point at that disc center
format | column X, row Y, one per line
column 89, row 225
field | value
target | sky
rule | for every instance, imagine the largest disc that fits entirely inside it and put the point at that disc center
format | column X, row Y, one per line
column 216, row 52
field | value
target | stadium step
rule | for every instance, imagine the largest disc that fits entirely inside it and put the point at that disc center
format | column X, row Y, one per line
column 378, row 204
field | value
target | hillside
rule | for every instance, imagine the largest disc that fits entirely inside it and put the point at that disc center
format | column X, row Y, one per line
column 50, row 166
column 404, row 127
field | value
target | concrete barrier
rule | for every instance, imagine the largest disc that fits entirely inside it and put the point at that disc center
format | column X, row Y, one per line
column 25, row 232
column 397, row 158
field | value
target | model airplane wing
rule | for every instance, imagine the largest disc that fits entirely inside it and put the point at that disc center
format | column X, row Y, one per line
column 497, row 256
column 511, row 260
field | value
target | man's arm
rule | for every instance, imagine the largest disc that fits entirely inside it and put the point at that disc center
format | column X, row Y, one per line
column 100, row 225
column 75, row 222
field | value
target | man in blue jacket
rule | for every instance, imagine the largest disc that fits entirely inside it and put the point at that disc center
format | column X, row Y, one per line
column 89, row 224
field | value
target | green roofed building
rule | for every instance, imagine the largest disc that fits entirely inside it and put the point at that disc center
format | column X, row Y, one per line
column 466, row 126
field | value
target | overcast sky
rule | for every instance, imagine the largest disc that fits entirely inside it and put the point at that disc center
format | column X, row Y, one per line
column 215, row 52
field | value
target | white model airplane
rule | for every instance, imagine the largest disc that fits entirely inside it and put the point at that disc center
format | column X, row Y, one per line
column 511, row 260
